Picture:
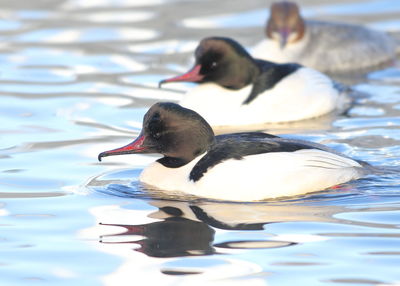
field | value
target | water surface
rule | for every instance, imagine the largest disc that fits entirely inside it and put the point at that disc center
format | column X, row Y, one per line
column 76, row 78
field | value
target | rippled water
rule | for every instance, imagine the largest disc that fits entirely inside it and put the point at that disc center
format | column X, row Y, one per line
column 76, row 78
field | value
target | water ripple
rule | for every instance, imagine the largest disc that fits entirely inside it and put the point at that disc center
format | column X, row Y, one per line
column 76, row 79
column 85, row 35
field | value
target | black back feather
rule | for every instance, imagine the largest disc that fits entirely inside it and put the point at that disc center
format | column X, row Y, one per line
column 270, row 75
column 236, row 146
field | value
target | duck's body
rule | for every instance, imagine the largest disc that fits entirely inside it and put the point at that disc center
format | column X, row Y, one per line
column 301, row 95
column 256, row 177
column 234, row 89
column 236, row 167
column 325, row 46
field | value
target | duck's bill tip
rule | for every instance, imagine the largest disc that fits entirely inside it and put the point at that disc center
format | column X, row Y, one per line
column 161, row 82
column 105, row 154
column 101, row 155
column 282, row 43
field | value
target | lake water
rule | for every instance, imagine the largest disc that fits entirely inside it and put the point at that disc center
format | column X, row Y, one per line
column 76, row 78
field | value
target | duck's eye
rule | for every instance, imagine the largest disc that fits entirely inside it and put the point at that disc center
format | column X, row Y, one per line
column 157, row 135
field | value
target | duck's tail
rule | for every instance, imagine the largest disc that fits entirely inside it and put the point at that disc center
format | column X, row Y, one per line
column 348, row 96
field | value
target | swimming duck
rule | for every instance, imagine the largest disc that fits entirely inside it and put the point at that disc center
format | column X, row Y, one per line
column 326, row 46
column 237, row 90
column 246, row 166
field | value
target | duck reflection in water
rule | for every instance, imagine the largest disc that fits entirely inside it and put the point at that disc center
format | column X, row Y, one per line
column 184, row 230
column 188, row 228
column 172, row 237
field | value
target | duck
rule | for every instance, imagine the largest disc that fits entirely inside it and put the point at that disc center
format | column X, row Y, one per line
column 244, row 166
column 236, row 90
column 329, row 47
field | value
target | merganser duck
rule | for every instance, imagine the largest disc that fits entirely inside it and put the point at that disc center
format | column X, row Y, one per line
column 236, row 167
column 236, row 90
column 328, row 47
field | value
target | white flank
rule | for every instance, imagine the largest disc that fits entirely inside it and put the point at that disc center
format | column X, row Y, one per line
column 304, row 94
column 258, row 177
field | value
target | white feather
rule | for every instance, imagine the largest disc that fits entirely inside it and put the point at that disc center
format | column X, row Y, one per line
column 270, row 50
column 258, row 177
column 304, row 94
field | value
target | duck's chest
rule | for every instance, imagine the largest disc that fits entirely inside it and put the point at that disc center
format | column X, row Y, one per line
column 167, row 178
column 270, row 50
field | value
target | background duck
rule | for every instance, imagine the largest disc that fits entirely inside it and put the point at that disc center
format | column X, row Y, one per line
column 326, row 46
column 235, row 167
column 236, row 90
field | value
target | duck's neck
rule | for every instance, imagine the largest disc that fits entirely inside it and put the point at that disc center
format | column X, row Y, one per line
column 246, row 72
column 177, row 162
column 172, row 162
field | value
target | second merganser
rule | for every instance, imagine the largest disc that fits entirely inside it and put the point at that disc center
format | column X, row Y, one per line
column 236, row 90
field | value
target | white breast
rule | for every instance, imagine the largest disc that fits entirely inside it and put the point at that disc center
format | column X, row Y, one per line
column 301, row 95
column 170, row 179
column 270, row 50
column 258, row 177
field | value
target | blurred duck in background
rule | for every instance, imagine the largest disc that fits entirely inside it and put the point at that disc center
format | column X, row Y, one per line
column 326, row 46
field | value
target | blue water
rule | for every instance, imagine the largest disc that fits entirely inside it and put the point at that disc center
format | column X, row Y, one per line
column 76, row 78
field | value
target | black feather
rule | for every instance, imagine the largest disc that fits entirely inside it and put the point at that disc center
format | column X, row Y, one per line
column 270, row 75
column 236, row 146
